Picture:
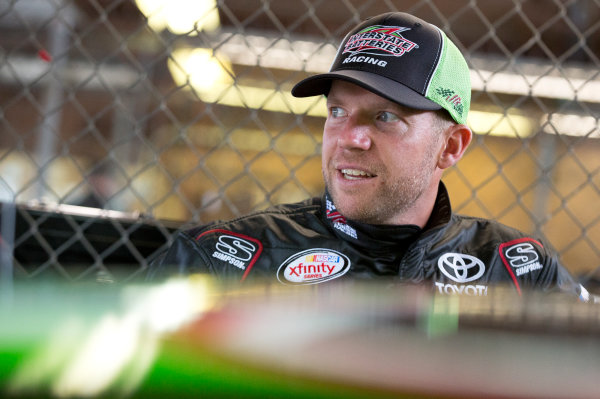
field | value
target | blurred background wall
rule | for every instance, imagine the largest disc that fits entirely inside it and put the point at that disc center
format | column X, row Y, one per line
column 180, row 110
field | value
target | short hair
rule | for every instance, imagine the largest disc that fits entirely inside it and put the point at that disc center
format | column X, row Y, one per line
column 443, row 120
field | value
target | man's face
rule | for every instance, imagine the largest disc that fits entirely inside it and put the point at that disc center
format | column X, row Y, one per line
column 379, row 158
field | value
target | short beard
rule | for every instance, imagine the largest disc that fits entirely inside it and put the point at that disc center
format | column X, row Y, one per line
column 396, row 199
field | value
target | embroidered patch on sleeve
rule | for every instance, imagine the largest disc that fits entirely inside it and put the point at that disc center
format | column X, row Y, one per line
column 235, row 249
column 520, row 257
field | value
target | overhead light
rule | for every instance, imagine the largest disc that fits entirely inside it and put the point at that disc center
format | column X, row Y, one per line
column 181, row 16
column 508, row 124
column 571, row 125
column 264, row 99
column 212, row 80
column 559, row 87
column 274, row 52
column 200, row 70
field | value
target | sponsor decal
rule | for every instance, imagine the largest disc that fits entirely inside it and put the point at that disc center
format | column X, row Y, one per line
column 365, row 59
column 235, row 249
column 453, row 99
column 520, row 257
column 469, row 290
column 461, row 268
column 338, row 220
column 379, row 40
column 334, row 215
column 523, row 258
column 313, row 266
column 344, row 228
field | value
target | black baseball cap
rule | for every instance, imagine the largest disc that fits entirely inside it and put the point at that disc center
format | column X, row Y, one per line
column 404, row 59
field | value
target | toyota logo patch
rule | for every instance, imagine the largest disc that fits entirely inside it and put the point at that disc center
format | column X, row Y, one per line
column 460, row 267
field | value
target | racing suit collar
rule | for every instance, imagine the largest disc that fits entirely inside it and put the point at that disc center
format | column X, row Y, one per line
column 364, row 234
column 442, row 210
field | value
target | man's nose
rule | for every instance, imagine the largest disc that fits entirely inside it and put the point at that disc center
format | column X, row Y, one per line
column 355, row 136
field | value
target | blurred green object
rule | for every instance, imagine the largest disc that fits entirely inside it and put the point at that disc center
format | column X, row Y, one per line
column 194, row 338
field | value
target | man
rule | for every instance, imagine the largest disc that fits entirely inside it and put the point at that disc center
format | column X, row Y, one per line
column 398, row 95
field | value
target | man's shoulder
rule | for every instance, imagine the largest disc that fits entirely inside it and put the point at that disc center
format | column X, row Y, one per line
column 497, row 253
column 484, row 228
column 276, row 217
column 497, row 242
column 231, row 248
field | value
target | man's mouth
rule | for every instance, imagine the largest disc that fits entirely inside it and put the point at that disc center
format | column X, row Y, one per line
column 355, row 174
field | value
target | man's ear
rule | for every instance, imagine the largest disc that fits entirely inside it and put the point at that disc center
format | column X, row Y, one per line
column 457, row 139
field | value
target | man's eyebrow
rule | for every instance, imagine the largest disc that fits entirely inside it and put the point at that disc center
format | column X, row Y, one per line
column 379, row 101
column 331, row 97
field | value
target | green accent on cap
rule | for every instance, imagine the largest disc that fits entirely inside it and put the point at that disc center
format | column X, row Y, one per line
column 450, row 85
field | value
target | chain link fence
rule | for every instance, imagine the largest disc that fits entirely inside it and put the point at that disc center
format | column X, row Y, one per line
column 124, row 120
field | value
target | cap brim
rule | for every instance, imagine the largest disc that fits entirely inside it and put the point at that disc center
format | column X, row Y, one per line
column 392, row 90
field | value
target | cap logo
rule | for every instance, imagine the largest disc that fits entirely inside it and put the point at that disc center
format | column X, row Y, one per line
column 453, row 99
column 380, row 40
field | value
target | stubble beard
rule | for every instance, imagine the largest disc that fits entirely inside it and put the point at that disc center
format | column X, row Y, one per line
column 388, row 203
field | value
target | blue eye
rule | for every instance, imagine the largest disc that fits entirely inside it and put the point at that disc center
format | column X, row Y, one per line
column 336, row 112
column 387, row 117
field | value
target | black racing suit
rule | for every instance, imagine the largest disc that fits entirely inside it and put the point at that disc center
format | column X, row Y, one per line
column 310, row 242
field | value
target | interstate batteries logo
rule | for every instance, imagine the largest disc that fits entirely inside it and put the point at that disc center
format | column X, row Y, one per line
column 380, row 40
column 313, row 266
